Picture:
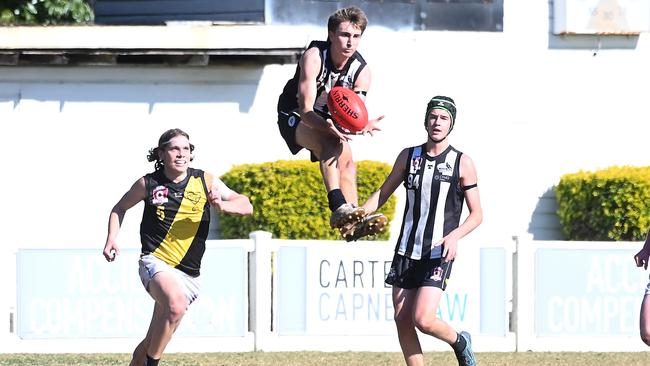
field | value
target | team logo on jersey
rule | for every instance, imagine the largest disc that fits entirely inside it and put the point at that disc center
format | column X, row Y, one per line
column 194, row 197
column 437, row 274
column 291, row 121
column 415, row 164
column 347, row 82
column 159, row 195
column 445, row 168
column 442, row 178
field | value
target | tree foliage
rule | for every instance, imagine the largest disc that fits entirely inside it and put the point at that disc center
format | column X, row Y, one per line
column 44, row 12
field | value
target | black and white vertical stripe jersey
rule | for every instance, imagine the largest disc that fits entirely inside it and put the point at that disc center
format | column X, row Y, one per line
column 434, row 202
column 328, row 77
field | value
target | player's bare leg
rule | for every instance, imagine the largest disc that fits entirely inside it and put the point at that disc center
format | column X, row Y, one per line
column 348, row 175
column 326, row 148
column 348, row 213
column 645, row 320
column 171, row 305
column 427, row 321
column 335, row 156
column 404, row 303
column 139, row 354
column 425, row 317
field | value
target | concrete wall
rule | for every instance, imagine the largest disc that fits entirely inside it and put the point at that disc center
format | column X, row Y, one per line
column 532, row 106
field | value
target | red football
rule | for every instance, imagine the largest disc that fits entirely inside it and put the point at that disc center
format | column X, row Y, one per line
column 347, row 109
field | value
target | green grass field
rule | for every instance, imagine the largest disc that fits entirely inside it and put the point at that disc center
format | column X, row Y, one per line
column 333, row 359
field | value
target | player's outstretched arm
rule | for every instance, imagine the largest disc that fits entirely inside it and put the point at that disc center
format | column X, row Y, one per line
column 362, row 86
column 236, row 204
column 134, row 195
column 371, row 127
column 225, row 200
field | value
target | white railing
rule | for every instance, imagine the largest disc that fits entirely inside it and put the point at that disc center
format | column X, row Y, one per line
column 283, row 295
column 578, row 296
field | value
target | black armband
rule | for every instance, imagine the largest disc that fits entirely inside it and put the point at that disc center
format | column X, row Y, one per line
column 467, row 188
column 361, row 92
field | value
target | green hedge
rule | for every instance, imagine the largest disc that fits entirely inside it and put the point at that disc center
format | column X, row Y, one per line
column 609, row 204
column 290, row 201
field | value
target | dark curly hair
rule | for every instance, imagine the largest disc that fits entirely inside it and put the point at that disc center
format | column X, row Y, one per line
column 163, row 141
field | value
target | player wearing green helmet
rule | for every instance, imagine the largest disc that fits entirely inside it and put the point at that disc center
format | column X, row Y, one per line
column 438, row 179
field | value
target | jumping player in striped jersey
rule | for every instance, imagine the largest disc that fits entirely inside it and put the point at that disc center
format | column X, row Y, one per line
column 305, row 122
column 173, row 232
column 438, row 179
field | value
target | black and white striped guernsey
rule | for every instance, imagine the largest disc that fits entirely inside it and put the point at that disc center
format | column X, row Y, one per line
column 434, row 202
column 328, row 77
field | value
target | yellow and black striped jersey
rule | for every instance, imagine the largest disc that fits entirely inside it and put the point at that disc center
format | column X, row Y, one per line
column 176, row 219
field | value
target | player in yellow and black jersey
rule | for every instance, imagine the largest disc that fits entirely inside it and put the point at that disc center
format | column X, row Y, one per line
column 175, row 219
column 173, row 232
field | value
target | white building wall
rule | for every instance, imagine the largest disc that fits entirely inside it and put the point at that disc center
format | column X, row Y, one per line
column 531, row 107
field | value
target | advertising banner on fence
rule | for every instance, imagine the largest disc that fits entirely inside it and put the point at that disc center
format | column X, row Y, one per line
column 75, row 293
column 346, row 293
column 587, row 292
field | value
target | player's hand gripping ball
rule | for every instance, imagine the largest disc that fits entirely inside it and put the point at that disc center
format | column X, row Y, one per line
column 347, row 109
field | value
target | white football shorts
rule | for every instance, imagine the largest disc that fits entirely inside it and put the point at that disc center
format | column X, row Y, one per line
column 150, row 265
